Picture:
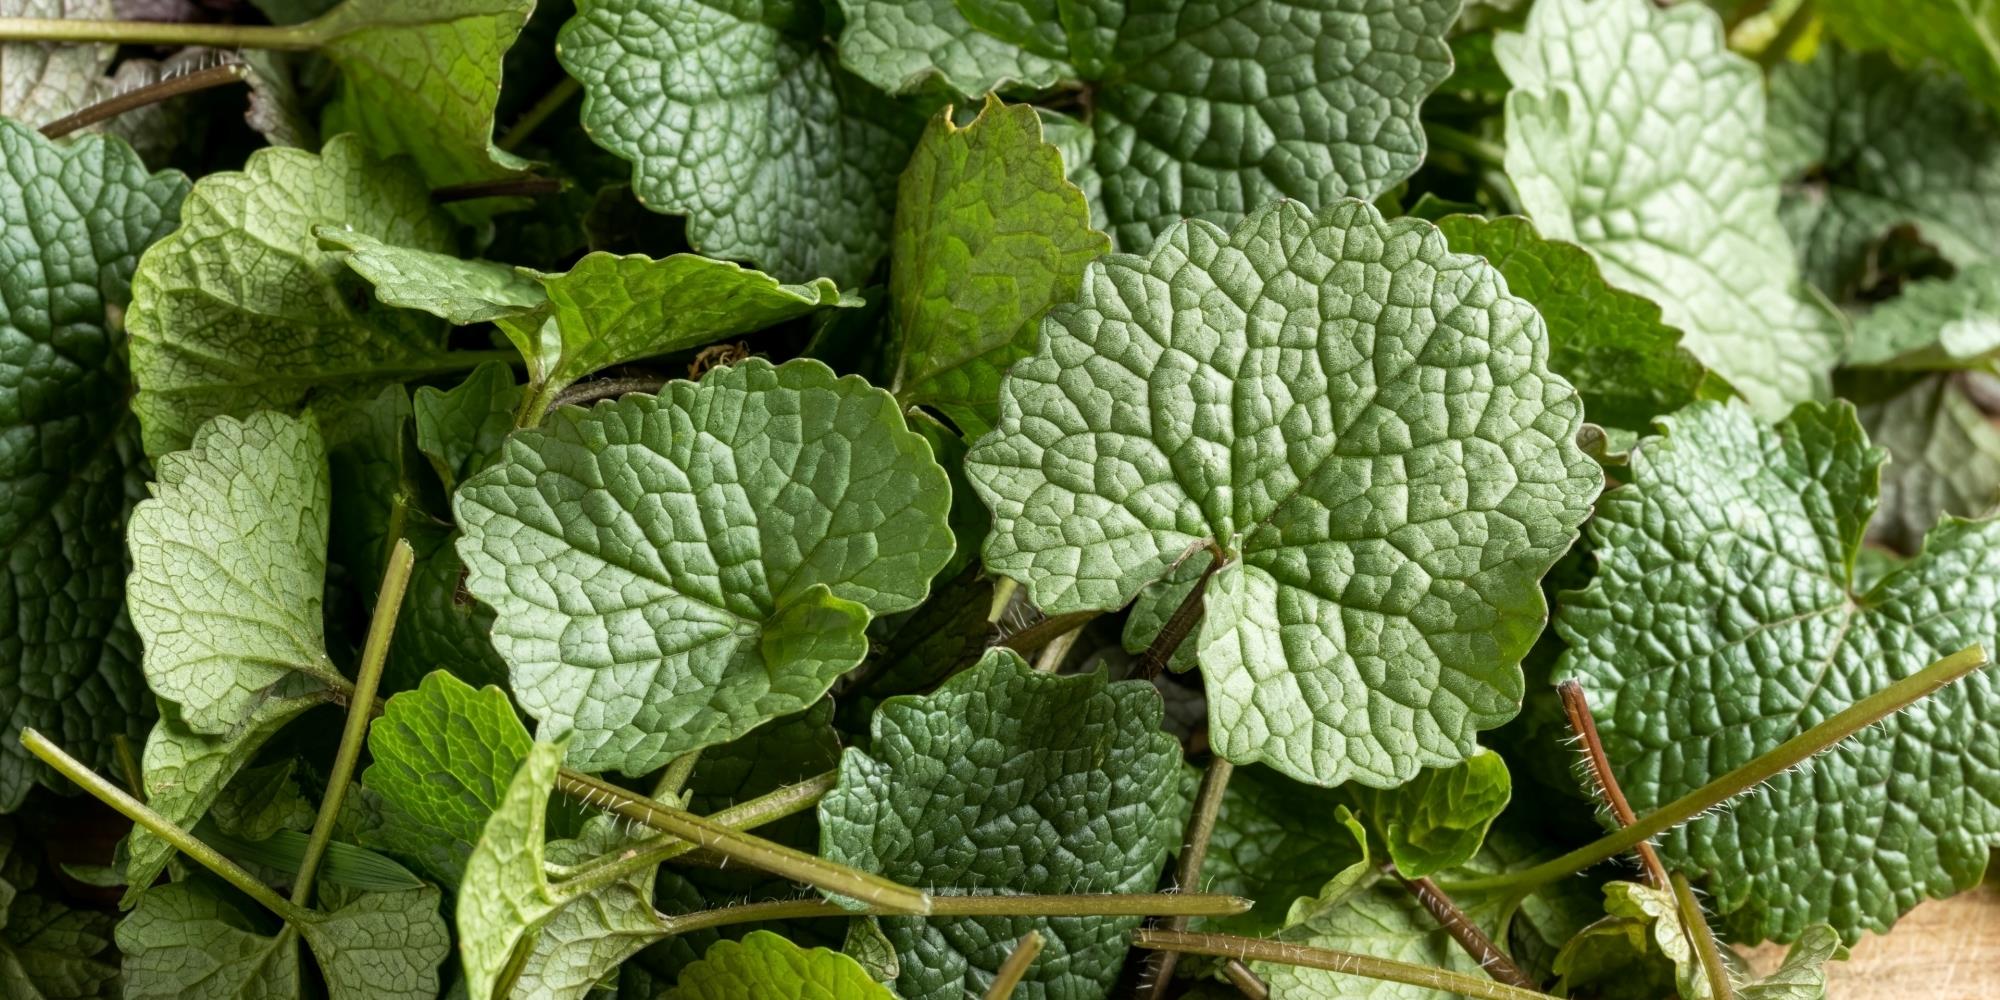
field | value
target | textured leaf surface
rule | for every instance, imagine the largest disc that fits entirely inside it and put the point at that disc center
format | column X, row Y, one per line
column 1363, row 423
column 1640, row 950
column 462, row 429
column 442, row 755
column 47, row 950
column 1934, row 325
column 41, row 82
column 740, row 121
column 1626, row 363
column 912, row 46
column 1005, row 779
column 461, row 292
column 1866, row 146
column 766, row 965
column 239, row 309
column 671, row 571
column 1687, row 213
column 1360, row 912
column 73, row 220
column 1438, row 819
column 1956, row 33
column 1944, row 456
column 1802, row 975
column 185, row 940
column 989, row 234
column 1724, row 619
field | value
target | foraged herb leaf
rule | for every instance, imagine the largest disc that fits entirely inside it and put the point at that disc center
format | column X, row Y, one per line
column 461, row 292
column 1640, row 950
column 462, row 429
column 239, row 309
column 73, row 218
column 989, row 234
column 1934, row 325
column 741, row 122
column 1005, row 779
column 1958, row 35
column 1739, row 542
column 1944, row 456
column 671, row 571
column 1802, row 975
column 1361, row 421
column 766, row 965
column 1687, row 213
column 1360, row 911
column 912, row 46
column 1438, row 819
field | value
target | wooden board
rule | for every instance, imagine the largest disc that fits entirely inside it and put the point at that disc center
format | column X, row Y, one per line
column 1946, row 949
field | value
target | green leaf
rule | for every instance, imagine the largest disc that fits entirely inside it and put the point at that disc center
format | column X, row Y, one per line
column 1955, row 34
column 1640, row 950
column 766, row 965
column 1802, row 975
column 1867, row 146
column 458, row 291
column 671, row 571
column 1008, row 780
column 1687, row 213
column 239, row 309
column 443, row 754
column 1438, row 819
column 1628, row 365
column 41, row 82
column 73, row 218
column 742, row 122
column 261, row 802
column 1360, row 911
column 1197, row 110
column 421, row 78
column 1738, row 542
column 1934, row 325
column 589, row 935
column 442, row 625
column 462, row 429
column 382, row 945
column 989, row 235
column 47, row 951
column 1361, row 421
column 1944, row 456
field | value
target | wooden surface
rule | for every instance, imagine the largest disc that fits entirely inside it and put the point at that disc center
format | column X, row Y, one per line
column 1946, row 949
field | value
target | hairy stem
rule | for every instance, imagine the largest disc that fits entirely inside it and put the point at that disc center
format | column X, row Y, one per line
column 293, row 38
column 757, row 852
column 1246, row 982
column 1484, row 152
column 1187, row 869
column 152, row 93
column 1787, row 755
column 1345, row 962
column 1696, row 922
column 1180, row 624
column 677, row 774
column 768, row 808
column 539, row 112
column 506, row 187
column 1465, row 932
column 1046, row 631
column 1008, row 977
column 1028, row 905
column 1576, row 705
column 586, row 393
column 166, row 829
column 360, row 707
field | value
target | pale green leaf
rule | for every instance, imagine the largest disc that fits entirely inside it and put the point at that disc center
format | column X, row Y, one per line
column 1640, row 950
column 458, row 291
column 1802, row 975
column 766, row 965
column 1944, row 455
column 1934, row 325
column 671, row 571
column 1009, row 780
column 381, row 946
column 1739, row 541
column 1438, row 819
column 184, row 940
column 1361, row 911
column 1361, row 421
column 913, row 46
column 1686, row 211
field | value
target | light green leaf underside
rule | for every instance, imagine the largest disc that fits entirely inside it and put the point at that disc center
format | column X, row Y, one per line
column 1802, row 975
column 671, row 571
column 1739, row 541
column 1640, row 950
column 1934, row 325
column 1866, row 146
column 459, row 291
column 1005, row 779
column 1361, row 911
column 1363, row 422
column 239, row 309
column 742, row 122
column 1944, row 455
column 1964, row 35
column 989, row 234
column 915, row 46
column 1611, row 344
column 74, row 217
column 1687, row 213
column 590, row 934
column 441, row 757
column 41, row 82
column 764, row 964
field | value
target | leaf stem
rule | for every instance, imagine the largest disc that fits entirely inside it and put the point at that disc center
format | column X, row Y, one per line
column 360, row 708
column 1052, row 656
column 586, row 393
column 539, row 112
column 778, row 859
column 1180, row 624
column 291, row 38
column 1576, row 705
column 166, row 829
column 1344, row 962
column 1246, row 982
column 1047, row 630
column 1007, row 978
column 1789, row 754
column 1468, row 935
column 768, row 808
column 1131, row 904
column 1705, row 949
column 1484, row 152
column 675, row 780
column 1187, row 868
column 152, row 93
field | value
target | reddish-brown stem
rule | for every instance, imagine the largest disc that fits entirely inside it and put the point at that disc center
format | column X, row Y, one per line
column 1179, row 624
column 1466, row 933
column 152, row 93
column 1577, row 706
column 1246, row 982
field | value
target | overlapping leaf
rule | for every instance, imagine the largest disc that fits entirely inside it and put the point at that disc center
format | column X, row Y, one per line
column 671, row 571
column 1956, row 34
column 766, row 965
column 1945, row 453
column 1362, row 422
column 47, row 950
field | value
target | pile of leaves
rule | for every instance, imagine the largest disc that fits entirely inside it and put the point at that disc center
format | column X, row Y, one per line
column 936, row 498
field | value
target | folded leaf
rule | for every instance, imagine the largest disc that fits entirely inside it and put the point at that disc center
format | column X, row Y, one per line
column 1363, row 423
column 1640, row 950
column 1935, row 325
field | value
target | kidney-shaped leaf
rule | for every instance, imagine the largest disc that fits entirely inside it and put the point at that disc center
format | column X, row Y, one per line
column 1362, row 423
column 671, row 571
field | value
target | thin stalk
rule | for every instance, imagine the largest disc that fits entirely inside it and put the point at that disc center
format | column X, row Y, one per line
column 586, row 393
column 152, row 93
column 1787, row 755
column 768, row 808
column 1468, row 935
column 1344, row 962
column 1003, row 595
column 506, row 187
column 1053, row 654
column 289, row 38
column 1576, row 705
column 1482, row 151
column 1007, row 978
column 1246, row 982
column 360, row 707
column 539, row 112
column 1789, row 32
column 1187, row 869
column 757, row 852
column 1046, row 631
column 1720, row 988
column 1132, row 904
column 676, row 777
column 166, row 829
column 1179, row 624
column 128, row 765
